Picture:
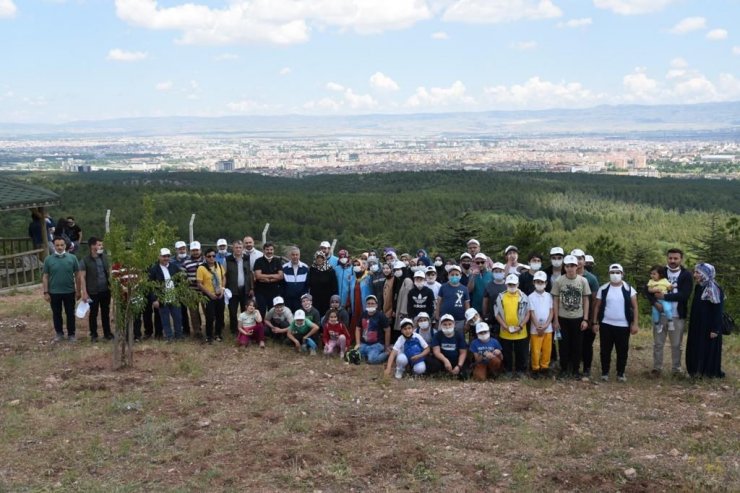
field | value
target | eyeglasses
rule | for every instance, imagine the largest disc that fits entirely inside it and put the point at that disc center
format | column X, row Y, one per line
column 481, row 263
column 210, row 256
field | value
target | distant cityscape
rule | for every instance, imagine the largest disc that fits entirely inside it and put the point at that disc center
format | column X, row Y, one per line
column 331, row 155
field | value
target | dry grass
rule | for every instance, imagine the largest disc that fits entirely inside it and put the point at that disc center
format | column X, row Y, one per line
column 196, row 418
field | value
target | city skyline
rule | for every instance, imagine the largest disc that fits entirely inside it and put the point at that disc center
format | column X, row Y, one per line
column 91, row 60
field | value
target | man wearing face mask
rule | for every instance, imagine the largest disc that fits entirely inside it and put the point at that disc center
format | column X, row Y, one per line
column 222, row 251
column 190, row 265
column 181, row 254
column 454, row 299
column 95, row 270
column 344, row 271
column 588, row 336
column 466, row 263
column 493, row 289
column 683, row 284
column 421, row 297
column 478, row 281
column 63, row 284
column 526, row 278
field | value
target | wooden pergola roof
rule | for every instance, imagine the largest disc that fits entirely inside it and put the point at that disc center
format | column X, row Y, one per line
column 15, row 195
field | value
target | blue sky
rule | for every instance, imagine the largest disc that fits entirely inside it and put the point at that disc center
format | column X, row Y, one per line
column 65, row 60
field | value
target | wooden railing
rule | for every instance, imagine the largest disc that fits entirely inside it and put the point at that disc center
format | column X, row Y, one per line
column 20, row 269
column 10, row 246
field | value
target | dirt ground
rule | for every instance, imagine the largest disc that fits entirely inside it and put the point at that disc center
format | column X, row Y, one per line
column 191, row 417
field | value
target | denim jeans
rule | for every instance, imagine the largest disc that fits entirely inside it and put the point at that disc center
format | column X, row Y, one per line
column 167, row 311
column 374, row 353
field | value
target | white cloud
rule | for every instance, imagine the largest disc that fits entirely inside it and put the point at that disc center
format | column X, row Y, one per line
column 575, row 23
column 536, row 93
column 382, row 82
column 440, row 35
column 736, row 50
column 324, row 104
column 224, row 57
column 499, row 11
column 524, row 45
column 688, row 25
column 678, row 68
column 35, row 101
column 717, row 34
column 349, row 100
column 359, row 101
column 7, row 9
column 632, row 7
column 118, row 55
column 164, row 86
column 246, row 106
column 285, row 71
column 440, row 96
column 333, row 86
column 640, row 87
column 279, row 22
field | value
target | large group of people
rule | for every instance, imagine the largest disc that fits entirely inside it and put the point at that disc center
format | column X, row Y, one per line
column 473, row 317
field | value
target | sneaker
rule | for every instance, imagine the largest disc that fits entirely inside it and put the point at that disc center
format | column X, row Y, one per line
column 604, row 378
column 59, row 338
column 208, row 340
column 304, row 348
column 71, row 339
column 341, row 355
column 658, row 328
column 94, row 340
column 262, row 345
column 399, row 373
column 621, row 378
column 312, row 352
column 218, row 339
column 671, row 327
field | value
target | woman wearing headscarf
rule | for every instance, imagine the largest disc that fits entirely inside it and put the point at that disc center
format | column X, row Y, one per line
column 704, row 340
column 360, row 288
column 322, row 282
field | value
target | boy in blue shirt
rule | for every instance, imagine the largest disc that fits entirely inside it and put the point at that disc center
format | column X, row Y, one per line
column 449, row 348
column 409, row 350
column 487, row 354
column 373, row 335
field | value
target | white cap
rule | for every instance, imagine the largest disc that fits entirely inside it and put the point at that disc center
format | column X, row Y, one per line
column 454, row 267
column 325, row 244
column 371, row 297
column 299, row 315
column 510, row 248
column 481, row 256
column 570, row 259
column 466, row 255
column 446, row 317
column 577, row 252
column 278, row 300
column 398, row 265
column 540, row 276
column 481, row 327
column 195, row 245
column 556, row 251
column 589, row 258
column 470, row 313
column 164, row 251
column 498, row 265
column 180, row 244
column 473, row 241
column 431, row 269
column 512, row 279
column 616, row 267
column 406, row 321
column 420, row 274
column 421, row 315
column 221, row 241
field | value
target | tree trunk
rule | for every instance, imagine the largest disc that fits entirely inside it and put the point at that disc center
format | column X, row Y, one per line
column 123, row 344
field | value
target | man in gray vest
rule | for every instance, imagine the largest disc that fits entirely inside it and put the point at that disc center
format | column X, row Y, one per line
column 96, row 273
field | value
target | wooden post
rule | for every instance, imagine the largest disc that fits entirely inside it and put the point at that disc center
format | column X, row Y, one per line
column 192, row 220
column 333, row 245
column 107, row 221
column 264, row 234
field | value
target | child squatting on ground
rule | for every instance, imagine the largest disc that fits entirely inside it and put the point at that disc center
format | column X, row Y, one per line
column 335, row 335
column 250, row 326
column 659, row 284
column 409, row 349
column 488, row 357
column 301, row 331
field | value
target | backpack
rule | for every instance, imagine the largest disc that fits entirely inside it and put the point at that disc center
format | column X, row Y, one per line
column 352, row 356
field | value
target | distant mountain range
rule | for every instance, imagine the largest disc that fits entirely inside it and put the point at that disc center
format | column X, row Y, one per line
column 709, row 120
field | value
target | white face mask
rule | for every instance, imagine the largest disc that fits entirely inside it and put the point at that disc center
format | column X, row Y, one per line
column 615, row 277
column 60, row 254
column 423, row 325
column 343, row 260
column 448, row 331
column 535, row 266
column 431, row 281
column 419, row 284
column 357, row 268
column 512, row 289
column 484, row 337
column 182, row 256
column 371, row 310
column 398, row 273
column 539, row 287
column 374, row 268
column 438, row 263
column 557, row 263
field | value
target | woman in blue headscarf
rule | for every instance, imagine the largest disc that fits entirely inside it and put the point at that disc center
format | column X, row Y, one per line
column 704, row 340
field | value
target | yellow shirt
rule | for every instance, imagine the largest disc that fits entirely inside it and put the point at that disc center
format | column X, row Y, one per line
column 664, row 284
column 510, row 304
column 204, row 276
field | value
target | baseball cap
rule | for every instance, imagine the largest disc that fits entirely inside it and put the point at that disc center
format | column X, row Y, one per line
column 540, row 276
column 512, row 279
column 616, row 267
column 164, row 251
column 406, row 321
column 481, row 256
column 278, row 300
column 454, row 267
column 398, row 265
column 577, row 252
column 470, row 313
column 570, row 259
column 421, row 315
column 195, row 245
column 180, row 244
column 307, row 296
column 446, row 317
column 431, row 270
column 371, row 297
column 510, row 248
column 556, row 251
column 221, row 242
column 325, row 244
column 299, row 315
column 473, row 241
column 498, row 265
column 481, row 327
column 466, row 255
column 419, row 274
column 590, row 258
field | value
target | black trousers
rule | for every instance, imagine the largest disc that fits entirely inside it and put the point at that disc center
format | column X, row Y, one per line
column 515, row 354
column 214, row 318
column 571, row 346
column 66, row 301
column 610, row 337
column 185, row 321
column 237, row 303
column 588, row 349
column 100, row 302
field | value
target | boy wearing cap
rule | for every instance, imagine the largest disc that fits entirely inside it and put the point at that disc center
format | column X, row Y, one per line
column 453, row 299
column 424, row 327
column 278, row 319
column 512, row 313
column 421, row 297
column 487, row 354
column 373, row 335
column 571, row 300
column 472, row 317
column 409, row 349
column 301, row 331
column 493, row 289
column 526, row 278
column 512, row 260
column 589, row 335
column 312, row 314
column 540, row 334
column 431, row 280
column 449, row 349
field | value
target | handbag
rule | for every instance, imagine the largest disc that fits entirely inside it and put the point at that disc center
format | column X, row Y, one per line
column 728, row 324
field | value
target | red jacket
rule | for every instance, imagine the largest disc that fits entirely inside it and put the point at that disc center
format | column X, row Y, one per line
column 336, row 330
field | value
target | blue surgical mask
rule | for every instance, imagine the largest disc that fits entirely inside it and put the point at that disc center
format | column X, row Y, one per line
column 498, row 276
column 454, row 279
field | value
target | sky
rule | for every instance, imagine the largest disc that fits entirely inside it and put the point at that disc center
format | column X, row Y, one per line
column 69, row 60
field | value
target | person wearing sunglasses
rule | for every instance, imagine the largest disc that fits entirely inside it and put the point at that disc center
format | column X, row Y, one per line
column 210, row 278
